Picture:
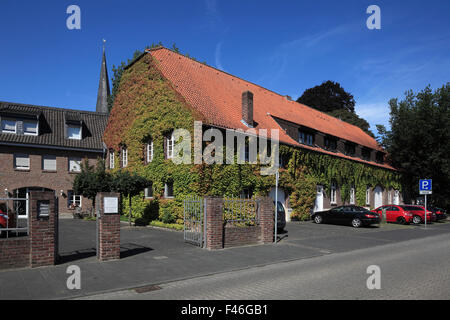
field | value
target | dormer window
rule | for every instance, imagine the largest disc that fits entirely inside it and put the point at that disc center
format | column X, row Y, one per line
column 350, row 149
column 330, row 144
column 9, row 126
column 30, row 128
column 365, row 154
column 305, row 138
column 74, row 132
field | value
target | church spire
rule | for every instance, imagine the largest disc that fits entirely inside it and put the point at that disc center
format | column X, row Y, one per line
column 103, row 86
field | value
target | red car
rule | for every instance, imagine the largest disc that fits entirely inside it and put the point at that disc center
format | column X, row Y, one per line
column 3, row 220
column 395, row 213
column 419, row 213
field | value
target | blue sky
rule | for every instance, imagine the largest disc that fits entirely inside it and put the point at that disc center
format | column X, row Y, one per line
column 285, row 46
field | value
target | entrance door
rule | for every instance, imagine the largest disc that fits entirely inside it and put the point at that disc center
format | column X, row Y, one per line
column 378, row 197
column 318, row 204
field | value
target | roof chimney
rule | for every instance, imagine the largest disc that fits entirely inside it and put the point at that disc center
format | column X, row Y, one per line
column 247, row 108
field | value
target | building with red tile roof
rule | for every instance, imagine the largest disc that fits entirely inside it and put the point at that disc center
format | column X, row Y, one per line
column 225, row 101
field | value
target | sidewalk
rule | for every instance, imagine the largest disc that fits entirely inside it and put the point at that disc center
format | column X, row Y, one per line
column 170, row 259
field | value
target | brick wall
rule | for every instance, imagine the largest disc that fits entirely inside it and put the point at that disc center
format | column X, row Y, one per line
column 219, row 236
column 239, row 236
column 42, row 230
column 61, row 179
column 15, row 253
column 108, row 230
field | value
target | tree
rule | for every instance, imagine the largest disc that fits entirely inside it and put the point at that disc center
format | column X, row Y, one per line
column 419, row 140
column 331, row 98
column 92, row 180
column 128, row 185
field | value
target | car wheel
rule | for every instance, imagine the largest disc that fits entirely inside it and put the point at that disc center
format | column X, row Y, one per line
column 417, row 219
column 401, row 220
column 318, row 219
column 356, row 223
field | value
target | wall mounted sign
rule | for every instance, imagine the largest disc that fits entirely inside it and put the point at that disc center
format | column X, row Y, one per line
column 110, row 205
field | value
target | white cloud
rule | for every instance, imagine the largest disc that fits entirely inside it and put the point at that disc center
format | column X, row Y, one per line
column 374, row 113
column 218, row 56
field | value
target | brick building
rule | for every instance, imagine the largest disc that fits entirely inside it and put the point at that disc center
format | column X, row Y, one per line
column 161, row 83
column 41, row 148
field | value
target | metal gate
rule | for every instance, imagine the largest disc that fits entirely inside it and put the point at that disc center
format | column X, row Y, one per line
column 14, row 216
column 195, row 221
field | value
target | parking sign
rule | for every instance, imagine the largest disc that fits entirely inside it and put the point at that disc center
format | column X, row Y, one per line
column 425, row 186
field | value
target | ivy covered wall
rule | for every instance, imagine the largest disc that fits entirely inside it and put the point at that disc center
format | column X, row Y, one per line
column 147, row 107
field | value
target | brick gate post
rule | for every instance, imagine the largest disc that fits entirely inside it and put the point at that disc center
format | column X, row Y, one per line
column 266, row 219
column 42, row 224
column 214, row 222
column 108, row 225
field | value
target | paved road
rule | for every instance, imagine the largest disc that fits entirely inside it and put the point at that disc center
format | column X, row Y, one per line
column 152, row 256
column 415, row 269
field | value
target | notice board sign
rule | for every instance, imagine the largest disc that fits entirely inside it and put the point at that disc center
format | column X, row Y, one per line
column 110, row 205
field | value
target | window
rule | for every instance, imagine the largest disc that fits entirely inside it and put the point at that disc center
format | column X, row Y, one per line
column 350, row 149
column 365, row 154
column 148, row 192
column 49, row 163
column 73, row 200
column 170, row 143
column 352, row 195
column 305, row 138
column 150, row 151
column 330, row 144
column 246, row 193
column 30, row 128
column 368, row 196
column 8, row 126
column 390, row 196
column 74, row 164
column 168, row 189
column 380, row 157
column 333, row 193
column 124, row 157
column 74, row 132
column 111, row 159
column 21, row 161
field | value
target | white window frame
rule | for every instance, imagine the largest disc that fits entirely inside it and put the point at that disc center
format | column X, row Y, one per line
column 124, row 157
column 390, row 196
column 76, row 159
column 9, row 131
column 333, row 193
column 22, row 155
column 72, row 198
column 150, row 186
column 111, row 159
column 368, row 196
column 166, row 188
column 75, row 137
column 352, row 195
column 49, row 157
column 31, row 133
column 170, row 146
column 150, row 151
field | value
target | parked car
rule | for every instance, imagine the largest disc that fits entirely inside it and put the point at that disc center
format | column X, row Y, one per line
column 281, row 217
column 3, row 220
column 419, row 213
column 354, row 215
column 395, row 213
column 441, row 214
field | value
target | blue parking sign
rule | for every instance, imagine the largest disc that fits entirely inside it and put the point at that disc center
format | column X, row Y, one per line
column 425, row 185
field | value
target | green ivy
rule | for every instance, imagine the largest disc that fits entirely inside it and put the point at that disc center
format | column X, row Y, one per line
column 146, row 106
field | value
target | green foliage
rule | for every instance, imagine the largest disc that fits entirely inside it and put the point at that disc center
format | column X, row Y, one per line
column 146, row 106
column 92, row 179
column 166, row 225
column 419, row 140
column 331, row 98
